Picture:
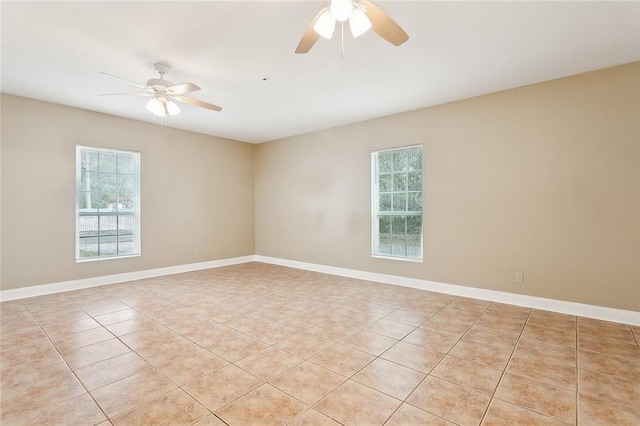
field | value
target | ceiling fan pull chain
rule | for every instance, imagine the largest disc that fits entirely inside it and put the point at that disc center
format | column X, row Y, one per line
column 342, row 39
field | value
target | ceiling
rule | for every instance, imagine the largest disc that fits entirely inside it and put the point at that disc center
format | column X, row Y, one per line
column 241, row 54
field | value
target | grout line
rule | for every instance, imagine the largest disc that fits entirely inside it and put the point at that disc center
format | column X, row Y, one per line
column 174, row 299
column 513, row 351
column 445, row 354
column 67, row 364
column 151, row 366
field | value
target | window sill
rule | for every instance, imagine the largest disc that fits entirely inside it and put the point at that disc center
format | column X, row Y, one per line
column 402, row 259
column 97, row 259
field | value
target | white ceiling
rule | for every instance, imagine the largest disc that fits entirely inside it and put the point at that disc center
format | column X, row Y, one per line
column 54, row 51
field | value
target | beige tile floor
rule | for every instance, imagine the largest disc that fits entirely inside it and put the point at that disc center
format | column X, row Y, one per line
column 257, row 344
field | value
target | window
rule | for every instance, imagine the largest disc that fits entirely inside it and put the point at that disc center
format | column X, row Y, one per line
column 107, row 203
column 397, row 203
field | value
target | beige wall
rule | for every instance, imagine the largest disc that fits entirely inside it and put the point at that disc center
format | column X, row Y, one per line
column 197, row 193
column 542, row 180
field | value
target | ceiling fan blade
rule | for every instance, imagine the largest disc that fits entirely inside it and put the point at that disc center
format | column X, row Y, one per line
column 127, row 94
column 179, row 89
column 124, row 79
column 197, row 102
column 383, row 25
column 309, row 37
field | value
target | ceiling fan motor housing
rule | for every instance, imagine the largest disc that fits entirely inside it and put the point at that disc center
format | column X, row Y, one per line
column 159, row 84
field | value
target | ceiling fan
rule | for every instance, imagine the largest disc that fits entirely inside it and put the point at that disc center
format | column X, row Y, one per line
column 164, row 93
column 361, row 14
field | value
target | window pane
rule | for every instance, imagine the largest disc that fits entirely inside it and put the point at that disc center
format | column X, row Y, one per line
column 385, row 182
column 85, row 179
column 414, row 225
column 108, row 246
column 108, row 191
column 399, row 202
column 88, row 226
column 398, row 225
column 84, row 200
column 125, row 224
column 94, row 183
column 125, row 183
column 108, row 225
column 107, row 162
column 88, row 186
column 89, row 160
column 398, row 246
column 399, row 182
column 400, row 161
column 384, row 245
column 125, row 202
column 94, row 199
column 415, row 160
column 385, row 202
column 414, row 248
column 88, row 247
column 125, row 163
column 125, row 244
column 384, row 162
column 384, row 225
column 415, row 202
column 415, row 181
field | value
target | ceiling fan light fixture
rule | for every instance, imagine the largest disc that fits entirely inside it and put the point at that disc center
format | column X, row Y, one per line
column 156, row 107
column 362, row 15
column 325, row 25
column 341, row 9
column 359, row 22
column 172, row 108
column 161, row 105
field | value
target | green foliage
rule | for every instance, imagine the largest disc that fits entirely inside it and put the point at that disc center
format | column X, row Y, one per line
column 106, row 180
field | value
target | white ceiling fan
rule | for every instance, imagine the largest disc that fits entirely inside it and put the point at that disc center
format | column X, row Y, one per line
column 164, row 93
column 361, row 14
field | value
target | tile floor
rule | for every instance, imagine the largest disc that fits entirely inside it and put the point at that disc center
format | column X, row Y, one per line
column 257, row 344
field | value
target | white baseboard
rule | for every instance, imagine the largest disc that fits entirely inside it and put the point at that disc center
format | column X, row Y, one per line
column 41, row 290
column 561, row 306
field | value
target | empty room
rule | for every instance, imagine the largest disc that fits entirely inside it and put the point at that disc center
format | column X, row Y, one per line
column 333, row 212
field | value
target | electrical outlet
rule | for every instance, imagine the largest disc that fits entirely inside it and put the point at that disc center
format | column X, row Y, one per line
column 519, row 277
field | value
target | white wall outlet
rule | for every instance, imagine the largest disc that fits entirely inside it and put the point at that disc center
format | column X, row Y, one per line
column 519, row 277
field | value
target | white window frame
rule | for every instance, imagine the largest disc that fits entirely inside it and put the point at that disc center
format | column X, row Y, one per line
column 136, row 208
column 375, row 200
